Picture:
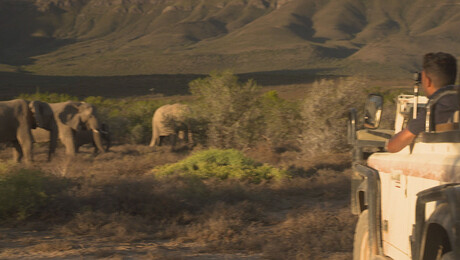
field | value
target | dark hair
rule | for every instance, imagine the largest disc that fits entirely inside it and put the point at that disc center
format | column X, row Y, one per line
column 441, row 68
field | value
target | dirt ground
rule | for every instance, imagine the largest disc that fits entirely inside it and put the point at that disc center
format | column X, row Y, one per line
column 305, row 218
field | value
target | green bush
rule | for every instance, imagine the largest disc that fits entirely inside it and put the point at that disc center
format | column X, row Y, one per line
column 281, row 120
column 228, row 109
column 221, row 164
column 48, row 97
column 22, row 193
column 130, row 120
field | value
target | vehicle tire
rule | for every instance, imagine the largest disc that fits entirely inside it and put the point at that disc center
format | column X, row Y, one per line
column 361, row 248
column 448, row 256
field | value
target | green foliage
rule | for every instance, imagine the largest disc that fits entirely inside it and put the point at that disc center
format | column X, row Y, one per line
column 281, row 119
column 48, row 97
column 221, row 164
column 130, row 120
column 22, row 193
column 228, row 109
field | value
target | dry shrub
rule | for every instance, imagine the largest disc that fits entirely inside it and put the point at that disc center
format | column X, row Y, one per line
column 312, row 233
column 114, row 226
column 164, row 254
column 224, row 225
column 227, row 109
column 53, row 246
column 325, row 112
column 231, row 114
column 116, row 200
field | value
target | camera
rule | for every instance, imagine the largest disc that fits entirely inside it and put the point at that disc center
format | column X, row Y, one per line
column 417, row 77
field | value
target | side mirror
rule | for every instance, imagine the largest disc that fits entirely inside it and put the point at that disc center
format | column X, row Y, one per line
column 373, row 111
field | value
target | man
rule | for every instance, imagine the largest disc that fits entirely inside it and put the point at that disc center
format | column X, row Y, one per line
column 438, row 75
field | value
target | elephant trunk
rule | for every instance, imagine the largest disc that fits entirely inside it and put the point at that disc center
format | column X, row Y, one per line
column 93, row 124
column 98, row 140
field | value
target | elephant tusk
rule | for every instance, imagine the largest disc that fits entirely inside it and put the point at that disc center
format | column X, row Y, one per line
column 95, row 131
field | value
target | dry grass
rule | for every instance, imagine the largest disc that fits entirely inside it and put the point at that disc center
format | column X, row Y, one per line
column 116, row 210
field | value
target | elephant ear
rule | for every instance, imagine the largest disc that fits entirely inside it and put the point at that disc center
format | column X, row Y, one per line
column 37, row 113
column 70, row 116
column 43, row 114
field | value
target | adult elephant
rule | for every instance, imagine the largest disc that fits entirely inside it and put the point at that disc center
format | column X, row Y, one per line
column 86, row 136
column 74, row 116
column 18, row 117
column 170, row 121
column 82, row 137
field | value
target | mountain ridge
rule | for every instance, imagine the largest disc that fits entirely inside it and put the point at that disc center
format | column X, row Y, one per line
column 132, row 37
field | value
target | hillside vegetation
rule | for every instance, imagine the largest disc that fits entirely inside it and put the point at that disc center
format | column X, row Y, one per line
column 130, row 37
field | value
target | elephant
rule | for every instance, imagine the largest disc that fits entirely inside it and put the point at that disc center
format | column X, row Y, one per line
column 82, row 137
column 17, row 118
column 171, row 121
column 86, row 137
column 71, row 117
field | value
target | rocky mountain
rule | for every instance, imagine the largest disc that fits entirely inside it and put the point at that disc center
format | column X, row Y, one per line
column 131, row 37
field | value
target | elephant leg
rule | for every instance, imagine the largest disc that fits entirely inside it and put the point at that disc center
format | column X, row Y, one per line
column 25, row 143
column 173, row 140
column 189, row 138
column 53, row 143
column 161, row 140
column 156, row 138
column 95, row 147
column 69, row 142
column 107, row 141
column 17, row 151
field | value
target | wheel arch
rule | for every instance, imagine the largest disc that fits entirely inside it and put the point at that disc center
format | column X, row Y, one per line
column 438, row 232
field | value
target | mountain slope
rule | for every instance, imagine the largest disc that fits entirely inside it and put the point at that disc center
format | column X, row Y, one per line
column 127, row 37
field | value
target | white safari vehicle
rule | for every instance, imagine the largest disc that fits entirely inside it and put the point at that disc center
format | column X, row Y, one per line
column 408, row 202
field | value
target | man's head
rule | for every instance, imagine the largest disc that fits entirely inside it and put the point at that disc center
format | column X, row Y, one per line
column 439, row 69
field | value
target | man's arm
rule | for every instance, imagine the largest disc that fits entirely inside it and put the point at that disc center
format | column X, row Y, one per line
column 400, row 140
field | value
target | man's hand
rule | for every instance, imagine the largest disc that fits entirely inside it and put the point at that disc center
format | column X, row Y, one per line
column 400, row 140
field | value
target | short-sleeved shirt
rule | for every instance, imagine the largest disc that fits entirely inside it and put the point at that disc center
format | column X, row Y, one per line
column 444, row 108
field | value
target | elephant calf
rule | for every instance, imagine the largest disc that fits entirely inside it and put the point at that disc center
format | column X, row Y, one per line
column 170, row 121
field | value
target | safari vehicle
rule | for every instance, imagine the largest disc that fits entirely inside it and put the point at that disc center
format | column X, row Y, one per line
column 408, row 202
